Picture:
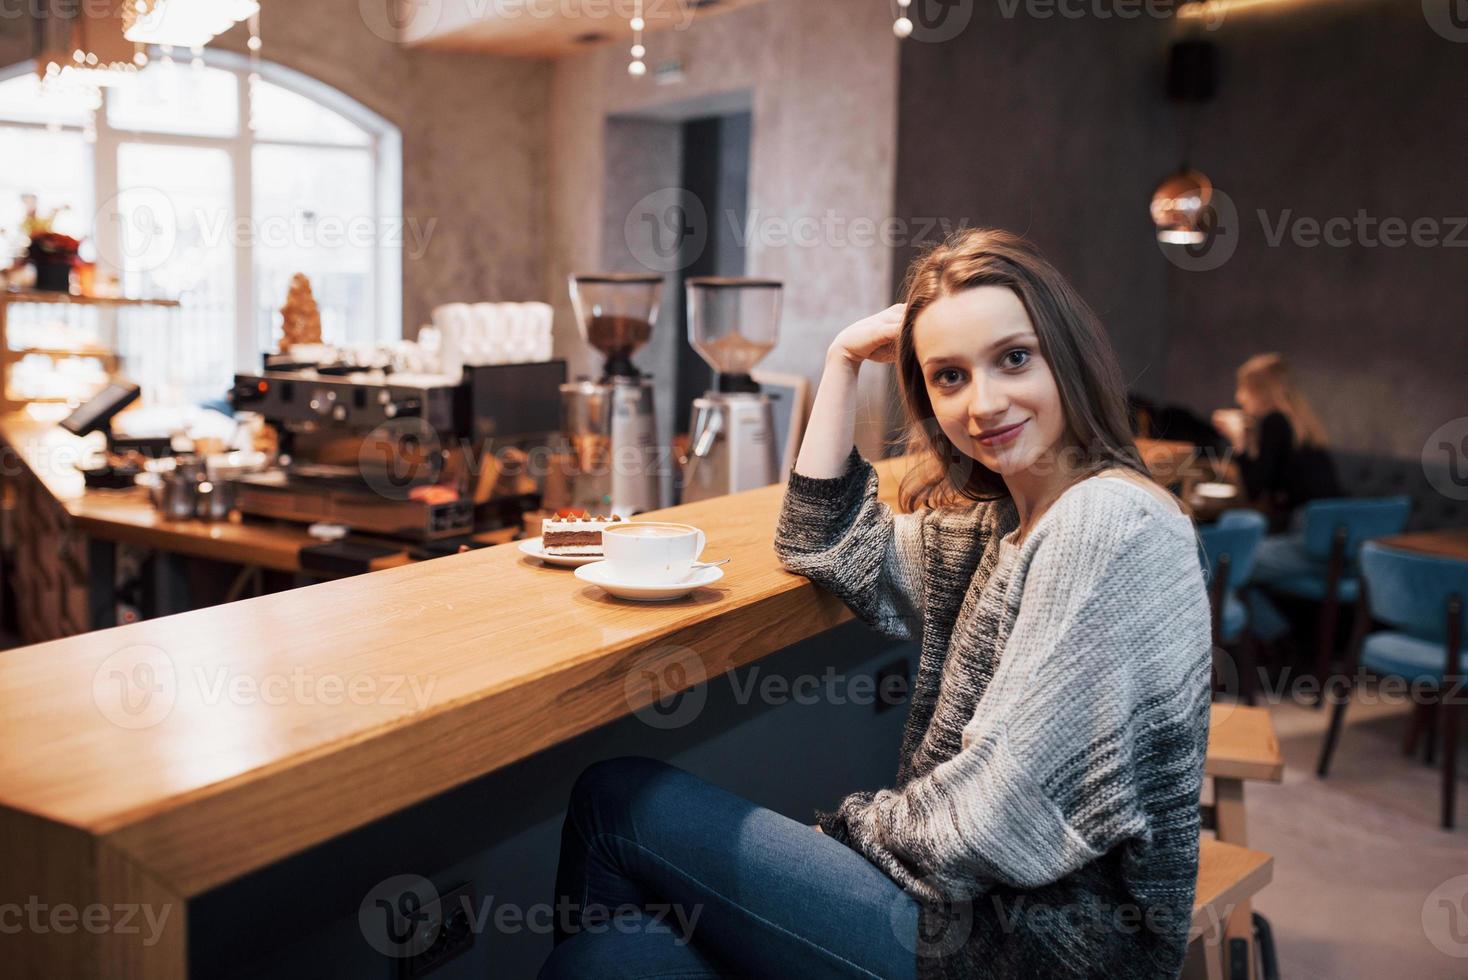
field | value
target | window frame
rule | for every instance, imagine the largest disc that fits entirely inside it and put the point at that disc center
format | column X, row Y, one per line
column 384, row 147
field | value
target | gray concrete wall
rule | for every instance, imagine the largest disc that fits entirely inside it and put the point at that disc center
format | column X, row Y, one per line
column 821, row 78
column 1058, row 128
column 1054, row 129
column 1324, row 112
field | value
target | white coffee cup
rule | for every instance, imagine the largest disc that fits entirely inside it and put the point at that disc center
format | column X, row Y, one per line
column 655, row 552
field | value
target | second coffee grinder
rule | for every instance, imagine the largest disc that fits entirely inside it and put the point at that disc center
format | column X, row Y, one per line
column 732, row 323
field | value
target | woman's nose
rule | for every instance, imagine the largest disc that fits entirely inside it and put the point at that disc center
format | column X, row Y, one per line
column 989, row 401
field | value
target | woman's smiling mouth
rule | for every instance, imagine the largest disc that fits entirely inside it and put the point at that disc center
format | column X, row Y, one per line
column 1001, row 436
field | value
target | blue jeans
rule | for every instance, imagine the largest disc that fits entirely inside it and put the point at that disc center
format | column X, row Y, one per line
column 664, row 875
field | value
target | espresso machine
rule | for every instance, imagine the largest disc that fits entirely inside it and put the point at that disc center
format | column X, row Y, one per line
column 417, row 457
column 609, row 423
column 732, row 323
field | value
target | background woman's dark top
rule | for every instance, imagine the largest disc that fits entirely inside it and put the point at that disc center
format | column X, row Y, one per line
column 1283, row 475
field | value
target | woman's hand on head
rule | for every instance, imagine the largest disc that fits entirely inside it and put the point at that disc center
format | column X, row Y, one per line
column 871, row 339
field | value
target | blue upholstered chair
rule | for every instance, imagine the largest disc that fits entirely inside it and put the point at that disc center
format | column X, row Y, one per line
column 1318, row 563
column 1229, row 548
column 1421, row 600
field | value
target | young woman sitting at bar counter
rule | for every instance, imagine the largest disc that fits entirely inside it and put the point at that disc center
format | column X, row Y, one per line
column 1044, row 819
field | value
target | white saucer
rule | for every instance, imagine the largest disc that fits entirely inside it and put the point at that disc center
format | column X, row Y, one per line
column 531, row 547
column 596, row 574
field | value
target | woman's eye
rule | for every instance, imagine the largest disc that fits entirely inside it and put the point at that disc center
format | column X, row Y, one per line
column 947, row 378
column 1016, row 358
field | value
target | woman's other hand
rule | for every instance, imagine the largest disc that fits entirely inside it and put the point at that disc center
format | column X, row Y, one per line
column 1230, row 424
column 871, row 339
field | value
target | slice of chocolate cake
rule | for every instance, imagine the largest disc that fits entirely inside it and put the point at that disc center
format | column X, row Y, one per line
column 574, row 537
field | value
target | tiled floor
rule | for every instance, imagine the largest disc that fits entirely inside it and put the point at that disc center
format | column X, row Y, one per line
column 1358, row 856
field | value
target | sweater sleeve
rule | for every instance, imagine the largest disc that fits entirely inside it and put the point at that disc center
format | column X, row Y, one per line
column 837, row 533
column 1047, row 779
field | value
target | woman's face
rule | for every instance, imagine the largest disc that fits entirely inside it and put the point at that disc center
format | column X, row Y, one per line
column 994, row 396
column 1249, row 400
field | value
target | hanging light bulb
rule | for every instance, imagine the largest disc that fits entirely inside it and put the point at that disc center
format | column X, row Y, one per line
column 1181, row 208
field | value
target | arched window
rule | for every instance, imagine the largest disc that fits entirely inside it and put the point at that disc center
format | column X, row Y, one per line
column 189, row 182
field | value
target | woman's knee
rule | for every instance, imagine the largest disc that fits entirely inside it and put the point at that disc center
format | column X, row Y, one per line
column 613, row 785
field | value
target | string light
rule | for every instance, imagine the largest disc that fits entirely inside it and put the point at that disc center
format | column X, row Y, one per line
column 902, row 26
column 637, row 67
column 254, row 44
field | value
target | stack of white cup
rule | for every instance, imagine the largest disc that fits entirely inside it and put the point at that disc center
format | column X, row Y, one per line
column 492, row 333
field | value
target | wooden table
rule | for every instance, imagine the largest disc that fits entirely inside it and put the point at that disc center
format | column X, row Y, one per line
column 1241, row 746
column 1228, row 878
column 1450, row 542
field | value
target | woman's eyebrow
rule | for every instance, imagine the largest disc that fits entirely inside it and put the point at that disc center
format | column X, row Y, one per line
column 1001, row 342
column 1011, row 338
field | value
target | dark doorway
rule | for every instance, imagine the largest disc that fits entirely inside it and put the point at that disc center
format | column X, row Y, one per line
column 716, row 172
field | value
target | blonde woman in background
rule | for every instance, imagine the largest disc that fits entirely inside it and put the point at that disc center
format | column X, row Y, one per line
column 1279, row 441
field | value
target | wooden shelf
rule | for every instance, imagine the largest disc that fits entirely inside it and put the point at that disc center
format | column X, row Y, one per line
column 18, row 296
column 98, row 352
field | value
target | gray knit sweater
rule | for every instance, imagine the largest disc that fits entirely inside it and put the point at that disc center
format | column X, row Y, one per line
column 1045, row 813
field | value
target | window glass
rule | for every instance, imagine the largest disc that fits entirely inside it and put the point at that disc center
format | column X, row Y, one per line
column 281, row 114
column 314, row 214
column 178, row 243
column 23, row 99
column 168, row 97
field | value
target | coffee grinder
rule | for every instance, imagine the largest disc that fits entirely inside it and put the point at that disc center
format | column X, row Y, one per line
column 610, row 423
column 732, row 323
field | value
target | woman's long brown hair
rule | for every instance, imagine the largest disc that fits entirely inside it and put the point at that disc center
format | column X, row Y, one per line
column 1072, row 342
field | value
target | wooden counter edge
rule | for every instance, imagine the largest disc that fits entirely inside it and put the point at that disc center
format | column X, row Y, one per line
column 204, row 839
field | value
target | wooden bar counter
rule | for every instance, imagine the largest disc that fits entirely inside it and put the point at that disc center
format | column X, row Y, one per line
column 146, row 764
column 132, row 769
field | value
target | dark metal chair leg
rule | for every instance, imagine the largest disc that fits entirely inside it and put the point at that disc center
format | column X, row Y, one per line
column 1248, row 667
column 1429, row 751
column 1451, row 707
column 1330, row 611
column 1348, row 683
column 1337, row 719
